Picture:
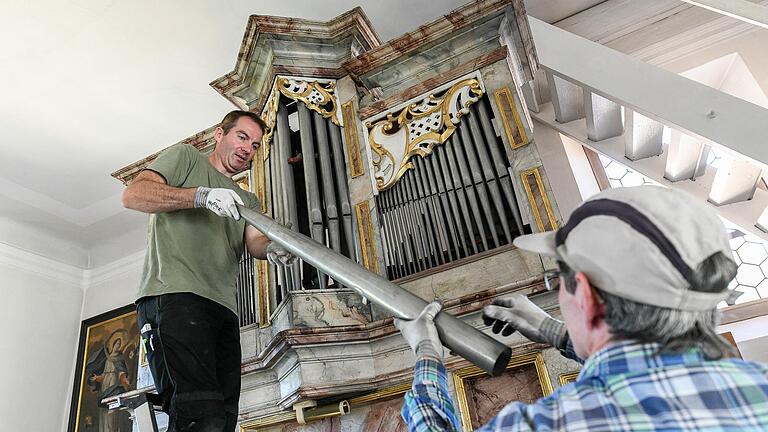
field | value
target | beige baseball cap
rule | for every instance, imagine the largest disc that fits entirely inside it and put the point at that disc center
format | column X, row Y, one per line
column 641, row 243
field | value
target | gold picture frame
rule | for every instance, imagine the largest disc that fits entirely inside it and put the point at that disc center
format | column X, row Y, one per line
column 568, row 377
column 538, row 199
column 506, row 105
column 461, row 376
column 100, row 374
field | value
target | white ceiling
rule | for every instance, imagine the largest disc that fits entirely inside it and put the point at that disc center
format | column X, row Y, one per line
column 93, row 85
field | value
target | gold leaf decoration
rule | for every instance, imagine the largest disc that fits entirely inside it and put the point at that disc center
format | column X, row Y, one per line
column 417, row 129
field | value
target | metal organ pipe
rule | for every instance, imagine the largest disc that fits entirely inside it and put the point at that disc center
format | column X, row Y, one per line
column 326, row 176
column 476, row 187
column 311, row 181
column 498, row 164
column 461, row 338
column 288, row 184
column 341, row 187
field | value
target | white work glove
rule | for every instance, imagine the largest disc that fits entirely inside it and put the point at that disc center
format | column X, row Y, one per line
column 221, row 201
column 277, row 255
column 517, row 312
column 421, row 333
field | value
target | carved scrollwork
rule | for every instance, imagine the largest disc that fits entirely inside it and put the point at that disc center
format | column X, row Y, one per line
column 417, row 129
column 317, row 96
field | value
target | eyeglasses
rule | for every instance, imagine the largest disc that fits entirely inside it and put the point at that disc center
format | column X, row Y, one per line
column 552, row 280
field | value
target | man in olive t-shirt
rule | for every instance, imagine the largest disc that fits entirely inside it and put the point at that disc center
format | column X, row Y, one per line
column 187, row 305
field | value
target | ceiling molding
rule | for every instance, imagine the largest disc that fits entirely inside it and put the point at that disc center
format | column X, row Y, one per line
column 40, row 265
column 114, row 269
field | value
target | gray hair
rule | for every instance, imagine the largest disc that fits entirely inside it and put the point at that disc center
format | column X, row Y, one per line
column 675, row 330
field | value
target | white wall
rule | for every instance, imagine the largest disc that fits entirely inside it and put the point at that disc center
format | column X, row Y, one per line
column 558, row 167
column 112, row 285
column 750, row 47
column 40, row 319
column 750, row 336
column 46, row 294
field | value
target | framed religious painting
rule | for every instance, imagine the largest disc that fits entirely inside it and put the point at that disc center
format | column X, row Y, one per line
column 480, row 397
column 107, row 365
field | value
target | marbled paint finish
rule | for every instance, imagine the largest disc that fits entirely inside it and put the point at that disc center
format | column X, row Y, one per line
column 383, row 416
column 496, row 76
column 324, row 309
column 493, row 271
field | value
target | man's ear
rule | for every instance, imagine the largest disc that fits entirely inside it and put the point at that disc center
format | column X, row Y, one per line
column 218, row 134
column 590, row 304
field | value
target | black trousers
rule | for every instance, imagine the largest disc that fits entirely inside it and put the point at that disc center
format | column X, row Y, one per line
column 193, row 349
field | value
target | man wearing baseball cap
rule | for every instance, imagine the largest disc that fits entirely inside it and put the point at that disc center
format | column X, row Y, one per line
column 641, row 272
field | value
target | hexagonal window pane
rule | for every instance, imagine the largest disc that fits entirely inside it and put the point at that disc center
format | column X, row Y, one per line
column 615, row 183
column 752, row 253
column 762, row 289
column 632, row 179
column 736, row 242
column 749, row 294
column 615, row 171
column 753, row 238
column 749, row 275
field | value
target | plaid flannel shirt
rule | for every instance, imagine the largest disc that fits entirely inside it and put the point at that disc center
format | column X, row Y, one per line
column 625, row 386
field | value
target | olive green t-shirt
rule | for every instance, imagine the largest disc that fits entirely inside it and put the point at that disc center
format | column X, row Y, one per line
column 193, row 250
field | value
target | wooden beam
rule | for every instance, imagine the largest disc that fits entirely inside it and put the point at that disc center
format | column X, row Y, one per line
column 597, row 168
column 742, row 10
column 744, row 311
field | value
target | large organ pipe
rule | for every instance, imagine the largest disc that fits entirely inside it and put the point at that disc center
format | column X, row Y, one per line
column 409, row 220
column 460, row 194
column 498, row 163
column 481, row 148
column 388, row 226
column 289, row 188
column 317, row 229
column 401, row 233
column 342, row 189
column 326, row 176
column 437, row 217
column 461, row 338
column 418, row 204
column 278, row 208
column 448, row 207
column 472, row 172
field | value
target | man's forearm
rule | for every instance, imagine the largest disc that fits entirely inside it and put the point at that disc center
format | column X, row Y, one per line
column 256, row 243
column 153, row 197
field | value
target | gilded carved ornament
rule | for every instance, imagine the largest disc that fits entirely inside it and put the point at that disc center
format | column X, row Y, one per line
column 318, row 96
column 417, row 129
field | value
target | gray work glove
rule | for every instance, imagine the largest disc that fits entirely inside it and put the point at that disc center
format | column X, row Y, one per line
column 421, row 333
column 517, row 312
column 221, row 201
column 279, row 256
